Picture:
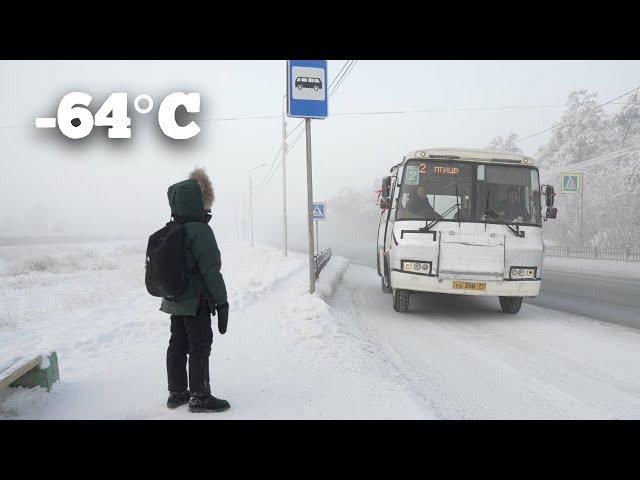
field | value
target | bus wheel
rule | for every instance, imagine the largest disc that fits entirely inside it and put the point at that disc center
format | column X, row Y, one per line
column 510, row 304
column 401, row 300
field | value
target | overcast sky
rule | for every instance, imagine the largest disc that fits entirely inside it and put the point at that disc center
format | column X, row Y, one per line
column 50, row 184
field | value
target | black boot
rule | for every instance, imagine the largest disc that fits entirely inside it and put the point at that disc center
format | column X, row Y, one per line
column 178, row 398
column 207, row 403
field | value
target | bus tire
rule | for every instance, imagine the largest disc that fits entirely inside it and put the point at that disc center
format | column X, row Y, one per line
column 401, row 300
column 510, row 304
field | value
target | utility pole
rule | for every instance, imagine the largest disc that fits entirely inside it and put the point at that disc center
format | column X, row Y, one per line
column 284, row 178
column 251, row 198
column 312, row 267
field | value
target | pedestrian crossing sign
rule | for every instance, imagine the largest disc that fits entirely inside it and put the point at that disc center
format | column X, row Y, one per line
column 570, row 182
column 319, row 211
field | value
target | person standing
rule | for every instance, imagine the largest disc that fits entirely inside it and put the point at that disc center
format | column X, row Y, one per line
column 204, row 296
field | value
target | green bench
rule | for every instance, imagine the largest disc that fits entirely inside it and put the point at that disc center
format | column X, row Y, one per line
column 41, row 371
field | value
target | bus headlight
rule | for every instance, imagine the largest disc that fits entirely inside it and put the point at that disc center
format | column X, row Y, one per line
column 521, row 273
column 412, row 266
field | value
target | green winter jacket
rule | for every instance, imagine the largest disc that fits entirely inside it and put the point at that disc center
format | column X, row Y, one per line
column 203, row 256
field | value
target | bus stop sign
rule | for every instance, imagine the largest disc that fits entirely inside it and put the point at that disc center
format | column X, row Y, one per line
column 307, row 89
column 570, row 182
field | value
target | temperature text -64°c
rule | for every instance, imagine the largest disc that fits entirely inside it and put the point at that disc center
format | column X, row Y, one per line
column 75, row 120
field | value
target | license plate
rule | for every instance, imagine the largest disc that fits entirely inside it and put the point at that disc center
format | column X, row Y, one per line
column 469, row 285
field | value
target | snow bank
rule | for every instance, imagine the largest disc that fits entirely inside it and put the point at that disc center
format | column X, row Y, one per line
column 614, row 268
column 255, row 272
column 309, row 314
column 330, row 276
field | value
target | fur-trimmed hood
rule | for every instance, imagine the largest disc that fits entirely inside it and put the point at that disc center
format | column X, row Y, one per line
column 191, row 199
column 206, row 189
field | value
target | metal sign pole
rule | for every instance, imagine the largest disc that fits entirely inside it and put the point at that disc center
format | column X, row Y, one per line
column 317, row 239
column 312, row 267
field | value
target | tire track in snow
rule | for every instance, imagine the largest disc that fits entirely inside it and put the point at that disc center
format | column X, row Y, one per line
column 471, row 361
column 346, row 306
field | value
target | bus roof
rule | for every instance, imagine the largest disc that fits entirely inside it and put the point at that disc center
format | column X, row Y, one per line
column 469, row 154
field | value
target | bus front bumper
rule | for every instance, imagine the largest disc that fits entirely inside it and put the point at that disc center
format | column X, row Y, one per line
column 495, row 288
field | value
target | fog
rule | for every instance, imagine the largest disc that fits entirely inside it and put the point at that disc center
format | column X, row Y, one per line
column 51, row 185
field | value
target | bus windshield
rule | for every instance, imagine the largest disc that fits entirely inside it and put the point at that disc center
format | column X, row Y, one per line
column 432, row 188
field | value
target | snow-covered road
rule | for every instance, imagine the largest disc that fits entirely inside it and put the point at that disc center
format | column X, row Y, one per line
column 472, row 361
column 606, row 290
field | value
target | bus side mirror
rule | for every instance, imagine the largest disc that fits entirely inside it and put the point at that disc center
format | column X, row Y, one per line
column 549, row 193
column 385, row 193
column 552, row 212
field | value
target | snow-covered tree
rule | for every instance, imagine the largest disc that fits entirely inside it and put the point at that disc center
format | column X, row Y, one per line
column 611, row 187
column 499, row 144
column 581, row 132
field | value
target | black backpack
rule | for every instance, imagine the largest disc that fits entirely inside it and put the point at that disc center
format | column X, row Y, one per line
column 166, row 266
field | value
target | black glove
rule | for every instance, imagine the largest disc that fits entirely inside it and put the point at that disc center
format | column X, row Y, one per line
column 223, row 316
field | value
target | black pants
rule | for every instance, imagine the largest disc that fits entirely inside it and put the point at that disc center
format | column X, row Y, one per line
column 193, row 336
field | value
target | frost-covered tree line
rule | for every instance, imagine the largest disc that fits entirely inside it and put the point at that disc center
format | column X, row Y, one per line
column 606, row 149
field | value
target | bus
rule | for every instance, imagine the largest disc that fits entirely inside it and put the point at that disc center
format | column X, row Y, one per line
column 462, row 221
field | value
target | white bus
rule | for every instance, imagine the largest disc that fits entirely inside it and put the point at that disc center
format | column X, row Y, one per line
column 462, row 221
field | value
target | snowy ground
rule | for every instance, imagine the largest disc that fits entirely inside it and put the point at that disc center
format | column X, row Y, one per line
column 284, row 355
column 341, row 353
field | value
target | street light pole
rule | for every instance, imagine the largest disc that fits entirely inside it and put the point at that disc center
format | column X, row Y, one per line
column 251, row 198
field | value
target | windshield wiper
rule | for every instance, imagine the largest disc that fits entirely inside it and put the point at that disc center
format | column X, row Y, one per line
column 427, row 226
column 516, row 230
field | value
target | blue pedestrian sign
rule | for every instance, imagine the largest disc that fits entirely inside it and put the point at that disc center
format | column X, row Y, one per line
column 570, row 182
column 319, row 211
column 307, row 95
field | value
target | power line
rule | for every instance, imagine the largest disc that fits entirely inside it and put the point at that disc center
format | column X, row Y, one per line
column 595, row 160
column 338, row 74
column 576, row 117
column 382, row 112
column 346, row 74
